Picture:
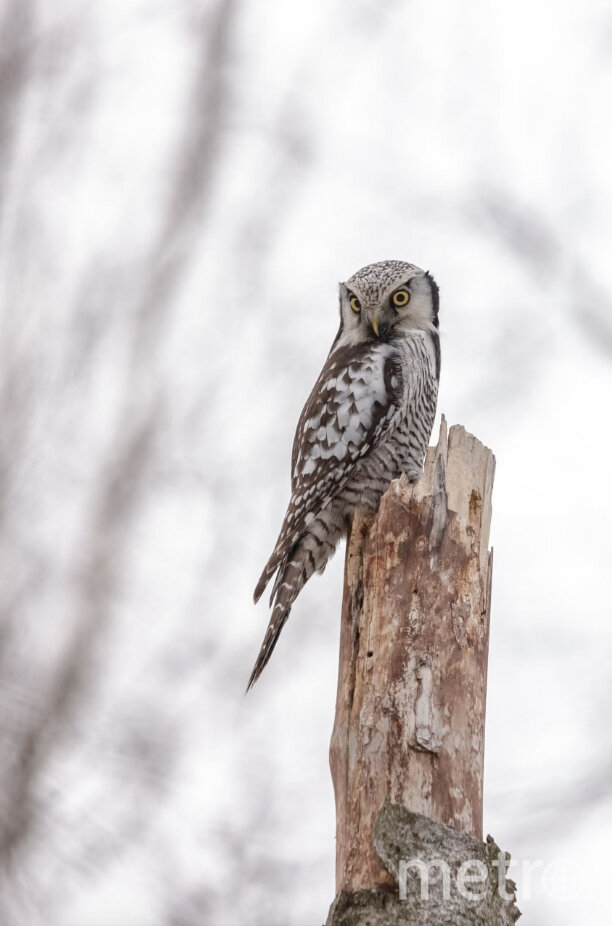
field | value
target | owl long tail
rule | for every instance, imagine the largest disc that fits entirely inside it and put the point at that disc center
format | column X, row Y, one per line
column 310, row 554
column 293, row 576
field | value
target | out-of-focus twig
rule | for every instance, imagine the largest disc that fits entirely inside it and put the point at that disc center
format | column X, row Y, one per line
column 122, row 483
column 545, row 254
column 15, row 28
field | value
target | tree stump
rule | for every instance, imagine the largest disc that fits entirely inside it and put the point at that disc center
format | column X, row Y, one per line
column 410, row 709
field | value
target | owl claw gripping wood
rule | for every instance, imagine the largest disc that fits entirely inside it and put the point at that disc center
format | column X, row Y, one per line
column 367, row 420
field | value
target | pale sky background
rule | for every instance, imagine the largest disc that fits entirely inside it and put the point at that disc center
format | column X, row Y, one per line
column 182, row 186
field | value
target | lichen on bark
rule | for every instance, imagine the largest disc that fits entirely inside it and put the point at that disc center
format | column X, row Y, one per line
column 450, row 898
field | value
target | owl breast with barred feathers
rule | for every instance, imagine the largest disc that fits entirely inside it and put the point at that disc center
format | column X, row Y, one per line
column 367, row 420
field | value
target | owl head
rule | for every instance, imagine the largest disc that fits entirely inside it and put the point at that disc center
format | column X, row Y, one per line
column 383, row 300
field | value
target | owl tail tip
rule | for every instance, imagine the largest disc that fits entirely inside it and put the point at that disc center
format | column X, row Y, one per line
column 261, row 661
column 258, row 668
column 277, row 622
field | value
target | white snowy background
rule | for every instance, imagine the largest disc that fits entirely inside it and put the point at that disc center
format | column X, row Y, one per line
column 182, row 186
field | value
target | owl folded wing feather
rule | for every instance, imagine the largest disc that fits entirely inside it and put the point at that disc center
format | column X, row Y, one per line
column 354, row 406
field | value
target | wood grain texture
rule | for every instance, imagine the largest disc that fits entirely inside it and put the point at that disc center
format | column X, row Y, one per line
column 411, row 697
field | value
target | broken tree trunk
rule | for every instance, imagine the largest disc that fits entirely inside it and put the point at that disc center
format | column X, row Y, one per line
column 410, row 709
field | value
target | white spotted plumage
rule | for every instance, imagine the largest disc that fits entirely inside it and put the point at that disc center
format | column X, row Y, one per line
column 367, row 420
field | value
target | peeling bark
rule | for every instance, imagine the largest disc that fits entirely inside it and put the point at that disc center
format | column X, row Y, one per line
column 410, row 708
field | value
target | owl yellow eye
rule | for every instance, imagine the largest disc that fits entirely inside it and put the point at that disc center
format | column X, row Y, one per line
column 400, row 298
column 355, row 304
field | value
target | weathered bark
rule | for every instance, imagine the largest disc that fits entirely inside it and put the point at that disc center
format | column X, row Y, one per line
column 413, row 657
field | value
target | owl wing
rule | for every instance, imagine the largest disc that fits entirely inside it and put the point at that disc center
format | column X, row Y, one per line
column 354, row 405
column 350, row 409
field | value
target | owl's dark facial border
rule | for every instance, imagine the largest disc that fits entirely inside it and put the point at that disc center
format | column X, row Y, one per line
column 435, row 297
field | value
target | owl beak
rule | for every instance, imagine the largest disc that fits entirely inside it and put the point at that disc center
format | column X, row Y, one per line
column 374, row 324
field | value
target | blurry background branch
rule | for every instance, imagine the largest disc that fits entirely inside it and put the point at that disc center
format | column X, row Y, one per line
column 549, row 256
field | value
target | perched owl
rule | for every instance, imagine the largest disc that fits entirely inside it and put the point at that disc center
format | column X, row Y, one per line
column 367, row 420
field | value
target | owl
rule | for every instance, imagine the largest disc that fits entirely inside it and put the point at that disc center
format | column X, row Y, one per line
column 367, row 420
